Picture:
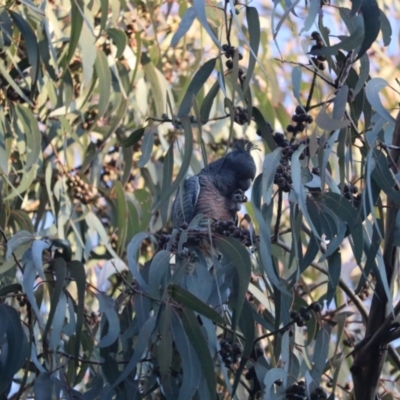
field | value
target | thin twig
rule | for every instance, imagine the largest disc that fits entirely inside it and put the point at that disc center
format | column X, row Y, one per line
column 310, row 94
column 278, row 215
column 307, row 68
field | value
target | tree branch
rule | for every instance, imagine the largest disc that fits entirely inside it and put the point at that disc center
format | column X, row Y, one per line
column 369, row 360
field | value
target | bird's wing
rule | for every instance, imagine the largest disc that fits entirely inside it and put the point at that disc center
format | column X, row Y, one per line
column 183, row 209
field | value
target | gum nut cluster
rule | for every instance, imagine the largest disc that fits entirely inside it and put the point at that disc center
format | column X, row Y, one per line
column 350, row 193
column 229, row 229
column 301, row 119
column 81, row 190
column 319, row 61
column 240, row 116
column 304, row 315
column 230, row 352
column 229, row 52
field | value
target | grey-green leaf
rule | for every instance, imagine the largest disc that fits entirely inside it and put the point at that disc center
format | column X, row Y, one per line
column 195, row 85
column 107, row 306
column 184, row 26
column 372, row 24
column 194, row 303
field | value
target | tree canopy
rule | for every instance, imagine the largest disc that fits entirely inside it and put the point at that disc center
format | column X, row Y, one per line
column 106, row 107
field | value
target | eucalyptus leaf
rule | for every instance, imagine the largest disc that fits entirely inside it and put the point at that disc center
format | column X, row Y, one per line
column 184, row 26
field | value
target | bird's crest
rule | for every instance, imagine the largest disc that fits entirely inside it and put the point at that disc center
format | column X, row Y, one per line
column 245, row 145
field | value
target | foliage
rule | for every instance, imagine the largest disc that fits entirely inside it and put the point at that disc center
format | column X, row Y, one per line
column 106, row 106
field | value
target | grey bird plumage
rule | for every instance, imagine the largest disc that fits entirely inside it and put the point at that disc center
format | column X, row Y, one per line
column 218, row 189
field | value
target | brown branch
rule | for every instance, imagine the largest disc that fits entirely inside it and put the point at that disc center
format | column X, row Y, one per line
column 369, row 361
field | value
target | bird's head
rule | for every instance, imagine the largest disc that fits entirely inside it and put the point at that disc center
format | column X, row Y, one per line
column 236, row 170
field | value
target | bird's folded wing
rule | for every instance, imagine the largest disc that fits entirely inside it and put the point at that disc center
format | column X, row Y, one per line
column 183, row 209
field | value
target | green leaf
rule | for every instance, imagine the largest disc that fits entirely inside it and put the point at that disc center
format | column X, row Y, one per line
column 187, row 155
column 200, row 8
column 243, row 36
column 194, row 87
column 120, row 113
column 48, row 181
column 207, row 103
column 339, row 104
column 31, row 44
column 165, row 348
column 19, row 239
column 374, row 86
column 273, row 375
column 76, row 29
column 32, row 134
column 314, row 9
column 144, row 200
column 157, row 84
column 190, row 363
column 77, row 272
column 60, row 270
column 187, row 299
column 13, row 288
column 58, row 322
column 339, row 234
column 386, row 28
column 94, row 223
column 133, row 223
column 347, row 213
column 247, row 326
column 299, row 188
column 253, row 23
column 120, row 40
column 326, row 122
column 14, row 351
column 25, row 183
column 107, row 307
column 43, row 386
column 184, row 26
column 364, row 73
column 372, row 24
column 132, row 251
column 4, row 160
column 87, row 45
column 141, row 345
column 104, row 78
column 168, row 167
column 239, row 256
column 122, row 217
column 38, row 246
column 133, row 138
column 103, row 14
column 321, row 353
column 334, row 270
column 196, row 338
column 383, row 177
column 4, row 73
column 355, row 6
column 296, row 81
column 28, row 282
column 158, row 269
column 270, row 164
column 147, row 146
column 22, row 220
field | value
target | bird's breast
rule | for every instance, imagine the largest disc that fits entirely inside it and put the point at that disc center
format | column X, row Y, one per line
column 212, row 203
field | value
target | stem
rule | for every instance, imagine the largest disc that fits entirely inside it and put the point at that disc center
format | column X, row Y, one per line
column 311, row 91
column 278, row 216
